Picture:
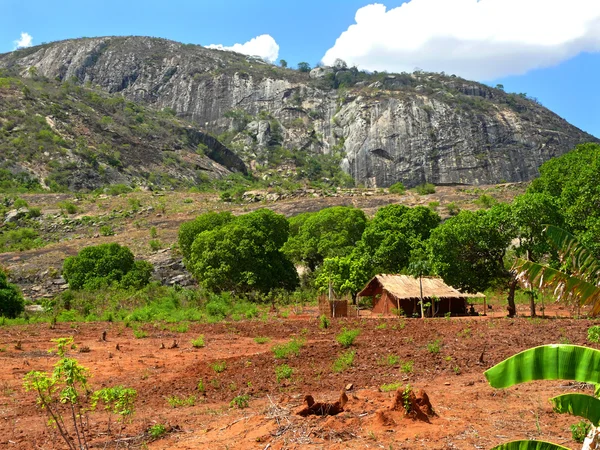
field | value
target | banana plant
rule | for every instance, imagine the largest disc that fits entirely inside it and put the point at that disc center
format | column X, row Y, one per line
column 578, row 284
column 554, row 362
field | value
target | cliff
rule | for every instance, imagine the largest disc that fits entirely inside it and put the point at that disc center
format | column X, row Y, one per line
column 382, row 128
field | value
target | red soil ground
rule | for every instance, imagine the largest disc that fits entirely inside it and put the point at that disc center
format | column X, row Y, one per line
column 470, row 414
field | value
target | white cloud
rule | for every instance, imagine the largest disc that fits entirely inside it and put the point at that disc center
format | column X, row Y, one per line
column 25, row 41
column 263, row 46
column 477, row 39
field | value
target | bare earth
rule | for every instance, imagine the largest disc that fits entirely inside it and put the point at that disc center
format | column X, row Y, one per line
column 470, row 414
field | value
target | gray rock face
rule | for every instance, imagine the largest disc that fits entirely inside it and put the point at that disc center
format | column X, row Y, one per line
column 410, row 128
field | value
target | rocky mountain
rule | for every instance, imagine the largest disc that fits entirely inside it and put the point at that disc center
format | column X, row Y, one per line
column 381, row 128
column 66, row 137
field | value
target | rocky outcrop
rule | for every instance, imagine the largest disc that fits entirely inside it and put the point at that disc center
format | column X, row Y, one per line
column 412, row 128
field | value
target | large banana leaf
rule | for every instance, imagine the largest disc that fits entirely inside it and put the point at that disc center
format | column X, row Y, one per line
column 547, row 362
column 585, row 265
column 566, row 287
column 580, row 405
column 579, row 286
column 529, row 445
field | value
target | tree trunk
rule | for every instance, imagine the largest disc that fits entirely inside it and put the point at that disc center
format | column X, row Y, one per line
column 421, row 287
column 592, row 440
column 512, row 309
column 532, row 303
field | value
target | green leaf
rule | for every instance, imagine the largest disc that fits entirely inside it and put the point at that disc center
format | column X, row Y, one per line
column 580, row 405
column 529, row 445
column 547, row 362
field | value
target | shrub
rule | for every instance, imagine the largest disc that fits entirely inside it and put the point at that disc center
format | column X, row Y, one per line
column 155, row 245
column 580, row 430
column 156, row 431
column 105, row 264
column 68, row 207
column 485, row 201
column 424, row 189
column 219, row 366
column 593, row 334
column 344, row 361
column 407, row 367
column 106, row 230
column 177, row 402
column 283, row 351
column 323, row 322
column 347, row 337
column 283, row 372
column 397, row 188
column 434, row 346
column 11, row 300
column 390, row 387
column 241, row 401
column 261, row 339
column 198, row 342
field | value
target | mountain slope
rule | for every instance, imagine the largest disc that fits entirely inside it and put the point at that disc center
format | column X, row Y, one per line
column 67, row 137
column 382, row 128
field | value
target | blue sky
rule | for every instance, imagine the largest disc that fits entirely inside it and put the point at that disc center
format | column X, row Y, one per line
column 540, row 47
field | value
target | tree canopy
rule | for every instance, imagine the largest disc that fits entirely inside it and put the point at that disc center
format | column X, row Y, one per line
column 468, row 250
column 188, row 231
column 328, row 233
column 244, row 255
column 101, row 265
column 393, row 233
column 573, row 180
column 11, row 300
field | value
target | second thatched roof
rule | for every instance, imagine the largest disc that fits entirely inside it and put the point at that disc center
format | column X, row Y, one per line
column 406, row 287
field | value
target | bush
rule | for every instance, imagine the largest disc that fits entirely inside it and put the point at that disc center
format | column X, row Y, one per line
column 68, row 207
column 323, row 322
column 580, row 430
column 283, row 372
column 347, row 337
column 106, row 230
column 434, row 346
column 424, row 189
column 344, row 361
column 397, row 188
column 283, row 351
column 11, row 300
column 241, row 401
column 155, row 245
column 199, row 342
column 593, row 334
column 102, row 265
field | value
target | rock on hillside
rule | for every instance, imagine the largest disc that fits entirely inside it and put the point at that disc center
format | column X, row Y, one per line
column 413, row 128
column 67, row 137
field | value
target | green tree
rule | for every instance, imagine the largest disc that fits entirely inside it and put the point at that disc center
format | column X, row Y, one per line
column 11, row 300
column 573, row 180
column 346, row 274
column 324, row 234
column 244, row 255
column 105, row 264
column 188, row 231
column 468, row 250
column 303, row 67
column 283, row 63
column 393, row 233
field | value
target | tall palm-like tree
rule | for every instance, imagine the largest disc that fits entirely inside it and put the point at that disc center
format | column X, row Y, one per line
column 576, row 282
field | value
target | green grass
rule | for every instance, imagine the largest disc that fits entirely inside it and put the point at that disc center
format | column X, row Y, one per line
column 219, row 366
column 344, row 361
column 157, row 431
column 390, row 360
column 138, row 333
column 433, row 347
column 347, row 337
column 407, row 367
column 198, row 342
column 175, row 401
column 240, row 402
column 262, row 339
column 284, row 351
column 283, row 372
column 390, row 387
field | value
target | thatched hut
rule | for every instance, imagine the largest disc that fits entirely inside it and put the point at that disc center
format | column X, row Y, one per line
column 402, row 292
